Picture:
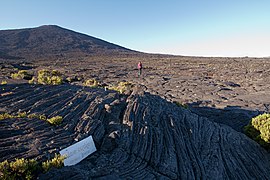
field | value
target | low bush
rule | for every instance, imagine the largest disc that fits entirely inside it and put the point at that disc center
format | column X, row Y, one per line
column 22, row 74
column 91, row 83
column 5, row 116
column 42, row 117
column 37, row 116
column 57, row 162
column 18, row 169
column 69, row 79
column 47, row 77
column 259, row 130
column 32, row 81
column 122, row 87
column 28, row 169
column 55, row 120
column 56, row 80
column 22, row 115
column 4, row 82
column 44, row 77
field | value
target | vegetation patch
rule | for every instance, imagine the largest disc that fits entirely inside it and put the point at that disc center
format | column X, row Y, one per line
column 57, row 162
column 32, row 81
column 53, row 121
column 47, row 77
column 73, row 79
column 22, row 74
column 5, row 116
column 91, row 83
column 259, row 130
column 3, row 82
column 28, row 169
column 18, row 169
column 22, row 115
column 37, row 116
column 122, row 87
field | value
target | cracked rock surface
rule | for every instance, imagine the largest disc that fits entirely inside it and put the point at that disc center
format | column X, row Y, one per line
column 138, row 136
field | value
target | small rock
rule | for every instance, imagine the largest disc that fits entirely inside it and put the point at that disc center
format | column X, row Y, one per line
column 108, row 108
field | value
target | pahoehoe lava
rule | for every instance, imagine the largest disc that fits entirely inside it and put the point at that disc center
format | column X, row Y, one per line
column 141, row 136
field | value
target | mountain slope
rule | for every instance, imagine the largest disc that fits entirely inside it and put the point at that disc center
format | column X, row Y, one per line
column 51, row 40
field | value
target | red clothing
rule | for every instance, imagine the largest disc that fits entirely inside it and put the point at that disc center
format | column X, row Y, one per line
column 139, row 65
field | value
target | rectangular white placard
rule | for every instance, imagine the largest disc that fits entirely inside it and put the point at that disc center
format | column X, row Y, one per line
column 78, row 151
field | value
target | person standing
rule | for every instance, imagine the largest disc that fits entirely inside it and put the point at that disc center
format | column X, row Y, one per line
column 139, row 68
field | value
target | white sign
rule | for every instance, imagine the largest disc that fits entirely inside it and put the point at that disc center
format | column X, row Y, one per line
column 77, row 152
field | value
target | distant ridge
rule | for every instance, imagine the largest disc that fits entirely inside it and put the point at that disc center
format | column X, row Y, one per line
column 51, row 41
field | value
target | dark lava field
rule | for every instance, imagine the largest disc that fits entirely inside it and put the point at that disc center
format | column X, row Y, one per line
column 142, row 133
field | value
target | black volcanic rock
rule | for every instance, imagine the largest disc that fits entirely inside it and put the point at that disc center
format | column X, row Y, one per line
column 51, row 40
column 142, row 136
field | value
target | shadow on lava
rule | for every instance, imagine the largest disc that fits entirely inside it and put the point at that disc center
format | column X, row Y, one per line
column 233, row 116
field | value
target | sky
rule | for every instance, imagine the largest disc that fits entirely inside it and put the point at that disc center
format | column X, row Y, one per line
column 232, row 28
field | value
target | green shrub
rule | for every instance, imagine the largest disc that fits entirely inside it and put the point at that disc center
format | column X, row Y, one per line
column 5, row 116
column 4, row 170
column 15, row 76
column 28, row 169
column 55, row 73
column 91, row 83
column 265, row 132
column 69, row 79
column 4, row 82
column 55, row 120
column 32, row 81
column 259, row 121
column 32, row 116
column 122, row 87
column 57, row 162
column 22, row 74
column 18, row 169
column 37, row 116
column 21, row 115
column 8, row 116
column 47, row 77
column 42, row 117
column 259, row 130
column 56, row 80
column 44, row 77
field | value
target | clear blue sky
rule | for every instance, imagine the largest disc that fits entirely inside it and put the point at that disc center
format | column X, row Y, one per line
column 184, row 27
